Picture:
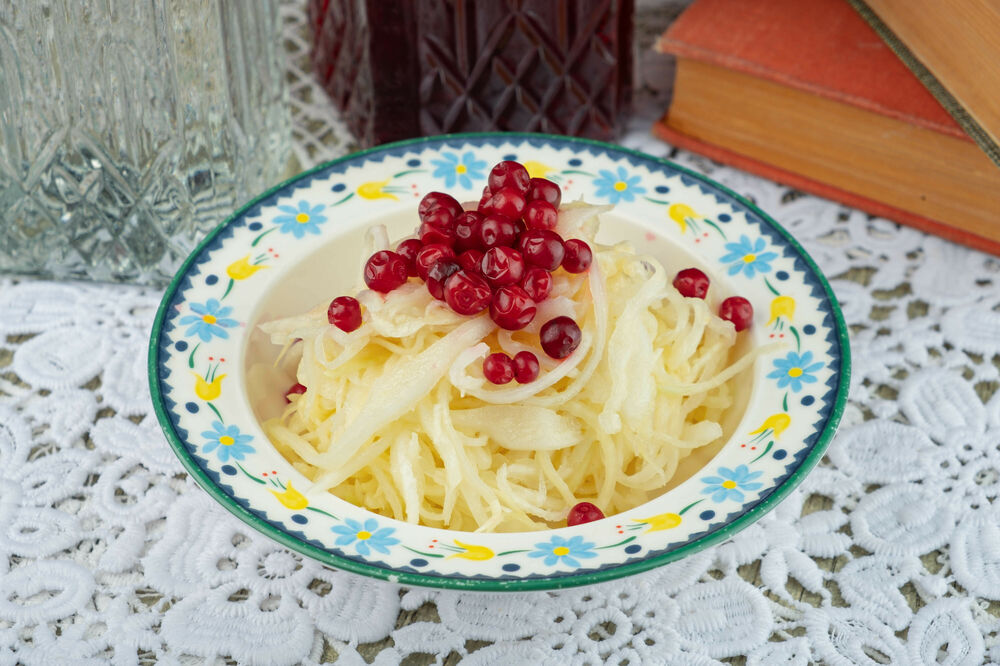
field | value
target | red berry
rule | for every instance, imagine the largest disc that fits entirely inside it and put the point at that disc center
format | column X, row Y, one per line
column 498, row 368
column 511, row 308
column 497, row 230
column 487, row 195
column 408, row 250
column 540, row 215
column 542, row 248
column 578, row 256
column 509, row 174
column 431, row 235
column 525, row 367
column 537, row 282
column 344, row 313
column 430, row 255
column 559, row 337
column 692, row 283
column 542, row 189
column 295, row 389
column 583, row 512
column 467, row 231
column 737, row 310
column 440, row 217
column 434, row 200
column 384, row 271
column 506, row 201
column 437, row 274
column 502, row 266
column 470, row 260
column 467, row 293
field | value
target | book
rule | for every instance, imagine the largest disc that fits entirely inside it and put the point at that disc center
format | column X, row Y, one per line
column 806, row 93
column 954, row 49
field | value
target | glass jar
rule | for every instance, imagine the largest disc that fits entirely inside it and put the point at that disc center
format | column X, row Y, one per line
column 404, row 68
column 129, row 129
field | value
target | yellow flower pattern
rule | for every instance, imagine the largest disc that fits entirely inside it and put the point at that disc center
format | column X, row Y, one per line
column 241, row 269
column 291, row 498
column 782, row 306
column 376, row 189
column 660, row 522
column 473, row 552
column 537, row 169
column 681, row 213
column 205, row 389
column 777, row 423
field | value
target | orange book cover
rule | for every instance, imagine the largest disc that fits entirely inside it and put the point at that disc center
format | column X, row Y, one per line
column 822, row 47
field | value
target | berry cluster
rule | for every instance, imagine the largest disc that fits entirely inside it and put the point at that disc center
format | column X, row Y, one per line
column 499, row 257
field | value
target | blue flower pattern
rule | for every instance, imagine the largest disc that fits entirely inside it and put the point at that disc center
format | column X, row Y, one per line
column 227, row 442
column 301, row 220
column 567, row 551
column 794, row 370
column 366, row 537
column 462, row 170
column 749, row 257
column 730, row 483
column 210, row 320
column 618, row 187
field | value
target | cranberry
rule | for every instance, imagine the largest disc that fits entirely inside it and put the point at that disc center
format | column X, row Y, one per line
column 498, row 368
column 497, row 230
column 525, row 367
column 470, row 260
column 502, row 266
column 559, row 337
column 578, row 256
column 467, row 231
column 437, row 274
column 467, row 293
column 540, row 215
column 509, row 174
column 434, row 200
column 441, row 217
column 537, row 282
column 431, row 235
column 583, row 512
column 384, row 271
column 737, row 310
column 542, row 248
column 542, row 189
column 512, row 308
column 692, row 283
column 487, row 195
column 430, row 255
column 344, row 313
column 295, row 389
column 507, row 201
column 408, row 250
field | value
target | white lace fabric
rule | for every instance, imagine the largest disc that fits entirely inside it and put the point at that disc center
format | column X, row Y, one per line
column 888, row 553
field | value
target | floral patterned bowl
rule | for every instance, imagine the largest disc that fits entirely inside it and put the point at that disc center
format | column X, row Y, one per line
column 281, row 253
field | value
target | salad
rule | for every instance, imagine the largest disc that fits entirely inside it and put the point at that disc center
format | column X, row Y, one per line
column 501, row 371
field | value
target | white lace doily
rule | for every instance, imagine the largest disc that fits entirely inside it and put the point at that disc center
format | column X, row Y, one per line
column 888, row 553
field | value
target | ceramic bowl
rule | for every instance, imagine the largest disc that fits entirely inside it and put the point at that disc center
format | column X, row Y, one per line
column 299, row 245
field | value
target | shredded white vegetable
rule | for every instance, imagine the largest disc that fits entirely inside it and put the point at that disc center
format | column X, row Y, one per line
column 398, row 418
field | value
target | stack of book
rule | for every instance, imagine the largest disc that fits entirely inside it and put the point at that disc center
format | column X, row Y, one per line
column 809, row 94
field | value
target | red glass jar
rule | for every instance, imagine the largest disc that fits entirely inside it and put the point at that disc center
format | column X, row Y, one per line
column 403, row 68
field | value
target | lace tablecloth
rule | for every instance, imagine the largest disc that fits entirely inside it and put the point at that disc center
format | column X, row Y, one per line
column 888, row 553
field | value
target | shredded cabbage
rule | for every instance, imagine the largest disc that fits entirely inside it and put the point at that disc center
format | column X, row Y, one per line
column 398, row 418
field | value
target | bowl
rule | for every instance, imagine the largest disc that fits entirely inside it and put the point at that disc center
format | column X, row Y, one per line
column 298, row 245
